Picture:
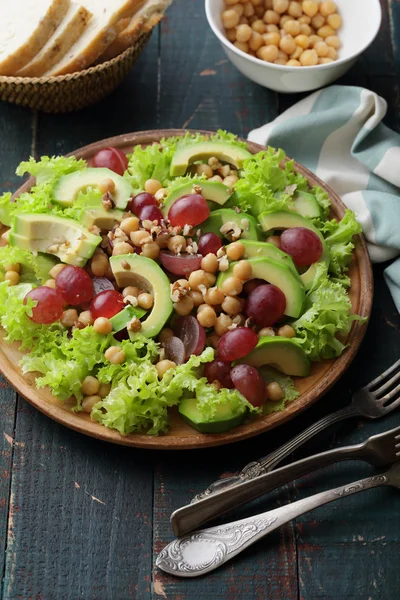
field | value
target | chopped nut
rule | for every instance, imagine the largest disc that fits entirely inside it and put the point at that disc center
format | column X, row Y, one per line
column 198, row 233
column 107, row 201
column 221, row 252
column 223, row 263
column 244, row 224
column 53, row 249
column 233, row 326
column 179, row 289
column 161, row 354
column 190, row 250
column 237, row 209
column 197, row 189
column 231, row 230
column 187, row 230
column 202, row 288
column 290, row 189
column 125, row 264
column 195, row 247
column 147, row 224
column 134, row 324
column 132, row 300
column 93, row 229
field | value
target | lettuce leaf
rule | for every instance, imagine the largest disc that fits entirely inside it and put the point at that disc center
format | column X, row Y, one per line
column 338, row 235
column 6, row 207
column 327, row 312
column 34, row 269
column 48, row 170
column 287, row 386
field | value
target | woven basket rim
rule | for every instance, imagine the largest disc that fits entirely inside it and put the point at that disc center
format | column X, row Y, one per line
column 77, row 74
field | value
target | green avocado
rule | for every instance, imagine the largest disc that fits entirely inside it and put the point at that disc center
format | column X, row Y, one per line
column 211, row 190
column 256, row 249
column 94, row 214
column 68, row 187
column 281, row 353
column 223, row 420
column 71, row 242
column 223, row 216
column 306, row 205
column 285, row 219
column 121, row 319
column 188, row 153
column 145, row 273
column 279, row 275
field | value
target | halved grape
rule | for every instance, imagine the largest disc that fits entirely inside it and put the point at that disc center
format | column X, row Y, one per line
column 219, row 370
column 189, row 210
column 209, row 243
column 151, row 213
column 182, row 264
column 100, row 284
column 266, row 305
column 175, row 350
column 192, row 334
column 251, row 285
column 107, row 304
column 248, row 381
column 237, row 343
column 75, row 285
column 141, row 200
column 49, row 307
column 303, row 245
column 111, row 158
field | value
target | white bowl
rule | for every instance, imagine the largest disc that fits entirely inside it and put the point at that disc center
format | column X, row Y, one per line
column 361, row 22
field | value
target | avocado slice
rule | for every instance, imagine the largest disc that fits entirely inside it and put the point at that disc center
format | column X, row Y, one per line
column 285, row 219
column 146, row 274
column 256, row 249
column 71, row 242
column 188, row 153
column 121, row 319
column 68, row 186
column 211, row 190
column 281, row 353
column 221, row 217
column 306, row 205
column 94, row 214
column 223, row 420
column 279, row 275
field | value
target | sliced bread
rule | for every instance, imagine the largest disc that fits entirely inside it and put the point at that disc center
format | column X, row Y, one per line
column 69, row 31
column 147, row 17
column 25, row 27
column 99, row 34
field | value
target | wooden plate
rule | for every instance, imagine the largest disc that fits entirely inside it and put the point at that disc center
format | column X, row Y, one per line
column 182, row 436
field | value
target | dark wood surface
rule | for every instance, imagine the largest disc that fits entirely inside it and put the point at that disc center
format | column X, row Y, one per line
column 82, row 519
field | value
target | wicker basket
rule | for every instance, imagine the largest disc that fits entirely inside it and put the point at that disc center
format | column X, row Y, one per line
column 74, row 91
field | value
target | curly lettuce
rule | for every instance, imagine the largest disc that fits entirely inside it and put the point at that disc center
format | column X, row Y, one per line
column 338, row 236
column 290, row 393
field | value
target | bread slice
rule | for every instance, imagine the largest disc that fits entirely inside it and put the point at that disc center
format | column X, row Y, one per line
column 70, row 30
column 25, row 27
column 99, row 34
column 145, row 19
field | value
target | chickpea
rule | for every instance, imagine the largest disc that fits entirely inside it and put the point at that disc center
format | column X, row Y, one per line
column 176, row 244
column 287, row 331
column 256, row 41
column 280, row 61
column 243, row 46
column 99, row 263
column 107, row 186
column 198, row 278
column 271, row 29
column 231, row 305
column 327, row 8
column 304, row 20
column 309, row 58
column 209, row 263
column 284, row 20
column 318, row 21
column 271, row 17
column 321, row 49
column 207, row 316
column 268, row 3
column 161, row 194
column 185, row 306
column 266, row 332
column 292, row 27
column 280, row 6
column 211, row 279
column 297, row 53
column 115, row 355
column 306, row 29
column 232, row 286
column 231, row 180
column 268, row 53
column 231, row 34
column 12, row 277
column 248, row 9
column 102, row 325
column 90, row 385
column 165, row 335
column 310, row 7
column 271, row 39
column 131, row 290
column 206, row 169
column 334, row 21
column 86, row 318
column 14, row 267
column 196, row 296
column 275, row 392
column 333, row 41
column 325, row 31
column 243, row 34
column 287, row 44
column 231, row 2
column 51, row 283
column 213, row 340
column 151, row 250
column 54, row 271
column 89, row 402
column 122, row 248
column 163, row 366
column 104, row 390
column 293, row 62
column 314, row 39
column 325, row 61
column 243, row 270
column 214, row 296
column 222, row 324
column 216, row 178
column 282, row 56
column 69, row 317
column 145, row 300
column 332, row 53
column 295, row 9
column 230, row 18
column 302, row 41
column 152, row 186
column 258, row 26
column 129, row 225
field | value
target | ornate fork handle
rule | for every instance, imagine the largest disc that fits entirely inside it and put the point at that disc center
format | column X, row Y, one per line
column 268, row 463
column 205, row 550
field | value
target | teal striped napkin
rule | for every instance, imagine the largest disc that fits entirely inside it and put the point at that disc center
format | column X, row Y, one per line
column 339, row 135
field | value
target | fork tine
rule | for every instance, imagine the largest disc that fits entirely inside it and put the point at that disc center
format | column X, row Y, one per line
column 390, row 395
column 378, row 393
column 383, row 375
column 390, row 407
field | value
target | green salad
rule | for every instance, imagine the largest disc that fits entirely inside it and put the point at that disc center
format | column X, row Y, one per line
column 188, row 273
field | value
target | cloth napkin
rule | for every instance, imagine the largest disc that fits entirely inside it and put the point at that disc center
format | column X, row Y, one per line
column 338, row 134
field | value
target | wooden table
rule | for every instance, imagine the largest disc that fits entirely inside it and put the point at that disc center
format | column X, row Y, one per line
column 81, row 519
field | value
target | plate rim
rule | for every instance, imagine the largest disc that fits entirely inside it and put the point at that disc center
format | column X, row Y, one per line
column 256, row 427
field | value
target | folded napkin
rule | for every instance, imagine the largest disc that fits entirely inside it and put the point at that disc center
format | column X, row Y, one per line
column 338, row 134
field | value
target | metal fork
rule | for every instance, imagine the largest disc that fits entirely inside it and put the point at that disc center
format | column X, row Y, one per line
column 375, row 400
column 379, row 450
column 205, row 550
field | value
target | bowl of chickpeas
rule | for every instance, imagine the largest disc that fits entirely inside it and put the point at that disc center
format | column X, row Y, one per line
column 294, row 46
